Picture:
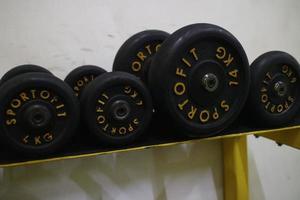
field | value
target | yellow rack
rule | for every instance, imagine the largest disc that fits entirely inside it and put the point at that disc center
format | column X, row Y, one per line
column 234, row 156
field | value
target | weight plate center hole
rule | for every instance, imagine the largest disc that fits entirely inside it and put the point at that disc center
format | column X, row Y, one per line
column 120, row 110
column 210, row 82
column 37, row 116
column 280, row 88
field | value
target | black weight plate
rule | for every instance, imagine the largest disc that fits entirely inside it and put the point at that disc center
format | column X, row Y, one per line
column 38, row 113
column 22, row 69
column 116, row 107
column 200, row 78
column 78, row 78
column 134, row 56
column 275, row 89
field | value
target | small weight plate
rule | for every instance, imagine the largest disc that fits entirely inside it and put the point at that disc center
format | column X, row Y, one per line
column 38, row 113
column 116, row 107
column 78, row 78
column 200, row 78
column 22, row 69
column 135, row 54
column 275, row 89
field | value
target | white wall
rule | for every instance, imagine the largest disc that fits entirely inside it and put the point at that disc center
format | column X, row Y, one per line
column 63, row 34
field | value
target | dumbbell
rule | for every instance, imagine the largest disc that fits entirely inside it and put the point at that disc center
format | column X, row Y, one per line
column 199, row 78
column 116, row 107
column 275, row 89
column 39, row 111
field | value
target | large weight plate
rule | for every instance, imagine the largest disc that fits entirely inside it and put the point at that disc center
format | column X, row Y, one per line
column 135, row 55
column 116, row 108
column 78, row 78
column 275, row 89
column 38, row 113
column 200, row 78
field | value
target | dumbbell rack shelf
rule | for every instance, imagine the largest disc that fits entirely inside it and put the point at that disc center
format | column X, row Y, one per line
column 234, row 145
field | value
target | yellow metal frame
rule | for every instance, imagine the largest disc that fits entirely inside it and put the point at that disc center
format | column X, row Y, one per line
column 235, row 158
column 288, row 137
column 235, row 168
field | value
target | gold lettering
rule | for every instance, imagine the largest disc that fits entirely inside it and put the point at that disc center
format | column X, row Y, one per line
column 263, row 89
column 234, row 73
column 113, row 130
column 180, row 72
column 229, row 60
column 76, row 88
column 127, row 89
column 273, row 108
column 24, row 96
column 157, row 47
column 148, row 49
column 193, row 51
column 233, row 83
column 48, row 137
column 279, row 108
column 10, row 112
column 25, row 139
column 291, row 99
column 186, row 62
column 130, row 128
column 266, row 82
column 224, row 105
column 105, row 96
column 15, row 103
column 101, row 102
column 99, row 110
column 181, row 105
column 136, row 66
column 269, row 76
column 122, row 130
column 11, row 122
column 60, row 106
column 54, row 99
column 105, row 127
column 179, row 88
column 86, row 79
column 134, row 94
column 101, row 119
column 141, row 56
column 293, row 80
column 192, row 112
column 289, row 74
column 45, row 94
column 264, row 98
column 139, row 103
column 215, row 114
column 204, row 116
column 62, row 114
column 33, row 93
column 267, row 105
column 286, row 105
column 136, row 121
column 285, row 68
column 221, row 53
column 80, row 83
column 37, row 140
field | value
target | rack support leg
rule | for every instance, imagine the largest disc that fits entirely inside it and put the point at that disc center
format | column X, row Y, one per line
column 235, row 164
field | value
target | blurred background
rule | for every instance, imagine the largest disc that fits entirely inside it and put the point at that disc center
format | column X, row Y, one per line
column 63, row 34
